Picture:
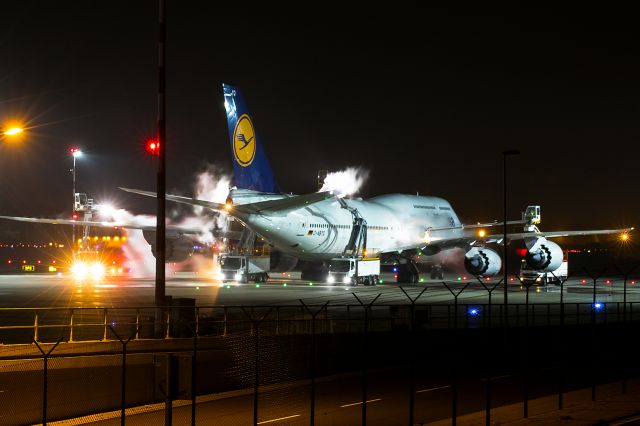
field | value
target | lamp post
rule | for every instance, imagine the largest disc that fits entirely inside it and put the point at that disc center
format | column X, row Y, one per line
column 505, row 268
column 75, row 153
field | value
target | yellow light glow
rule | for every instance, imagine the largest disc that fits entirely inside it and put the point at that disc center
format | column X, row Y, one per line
column 13, row 131
column 624, row 237
column 228, row 206
column 482, row 233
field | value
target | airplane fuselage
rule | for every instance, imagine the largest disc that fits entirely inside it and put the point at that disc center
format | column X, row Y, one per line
column 322, row 230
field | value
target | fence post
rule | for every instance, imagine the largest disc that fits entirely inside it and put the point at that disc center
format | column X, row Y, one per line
column 487, row 408
column 137, row 323
column 593, row 330
column 562, row 345
column 224, row 331
column 313, row 358
column 255, row 325
column 366, row 307
column 454, row 379
column 123, row 380
column 104, row 325
column 412, row 357
column 35, row 327
column 45, row 356
column 71, row 326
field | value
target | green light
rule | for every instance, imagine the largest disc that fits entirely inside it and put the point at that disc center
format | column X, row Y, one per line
column 228, row 286
column 421, row 280
column 459, row 279
column 381, row 282
column 284, row 285
column 257, row 285
column 310, row 283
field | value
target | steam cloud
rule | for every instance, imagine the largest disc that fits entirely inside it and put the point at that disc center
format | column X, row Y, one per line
column 345, row 182
column 209, row 186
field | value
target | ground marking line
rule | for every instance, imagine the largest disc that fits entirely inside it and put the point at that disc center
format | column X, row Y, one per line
column 278, row 419
column 359, row 403
column 432, row 389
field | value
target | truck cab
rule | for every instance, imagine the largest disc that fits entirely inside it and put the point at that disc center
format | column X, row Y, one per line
column 354, row 271
column 243, row 268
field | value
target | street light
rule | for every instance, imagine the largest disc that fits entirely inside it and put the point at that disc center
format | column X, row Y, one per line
column 13, row 131
column 75, row 153
column 505, row 154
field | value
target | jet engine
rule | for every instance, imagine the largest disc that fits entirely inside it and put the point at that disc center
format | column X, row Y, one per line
column 482, row 262
column 544, row 255
column 178, row 248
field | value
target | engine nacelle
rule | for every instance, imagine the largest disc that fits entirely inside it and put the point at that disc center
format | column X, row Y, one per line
column 178, row 248
column 544, row 255
column 482, row 262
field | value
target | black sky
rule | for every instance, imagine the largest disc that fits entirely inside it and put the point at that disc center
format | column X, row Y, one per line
column 425, row 100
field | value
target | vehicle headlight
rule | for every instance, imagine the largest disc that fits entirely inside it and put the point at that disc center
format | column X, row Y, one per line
column 79, row 270
column 346, row 279
column 238, row 277
column 330, row 279
column 97, row 270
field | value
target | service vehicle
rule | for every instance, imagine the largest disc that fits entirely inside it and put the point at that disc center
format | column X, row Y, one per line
column 354, row 271
column 244, row 268
column 529, row 275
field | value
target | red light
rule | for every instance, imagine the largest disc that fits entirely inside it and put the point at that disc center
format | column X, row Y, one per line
column 9, row 261
column 522, row 252
column 153, row 147
column 464, row 277
column 511, row 279
column 74, row 216
column 39, row 261
column 24, row 261
column 584, row 281
column 73, row 150
column 633, row 282
column 608, row 281
column 488, row 278
column 395, row 276
column 53, row 261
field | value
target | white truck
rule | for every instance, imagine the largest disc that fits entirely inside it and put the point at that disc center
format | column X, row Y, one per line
column 354, row 271
column 528, row 275
column 244, row 268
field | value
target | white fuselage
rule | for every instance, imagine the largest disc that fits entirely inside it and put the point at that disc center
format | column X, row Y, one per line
column 322, row 230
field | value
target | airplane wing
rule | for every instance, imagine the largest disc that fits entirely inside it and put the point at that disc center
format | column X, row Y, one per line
column 107, row 224
column 443, row 241
column 273, row 207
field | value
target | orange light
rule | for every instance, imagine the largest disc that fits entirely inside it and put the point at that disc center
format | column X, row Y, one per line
column 228, row 206
column 624, row 236
column 482, row 233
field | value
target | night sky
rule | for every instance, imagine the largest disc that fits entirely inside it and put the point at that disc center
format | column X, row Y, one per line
column 426, row 101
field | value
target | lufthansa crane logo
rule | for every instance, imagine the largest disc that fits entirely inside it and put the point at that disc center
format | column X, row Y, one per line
column 244, row 141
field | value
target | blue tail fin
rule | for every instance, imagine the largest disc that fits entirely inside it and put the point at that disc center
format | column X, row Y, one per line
column 251, row 168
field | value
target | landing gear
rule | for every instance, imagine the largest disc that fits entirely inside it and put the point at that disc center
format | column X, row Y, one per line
column 407, row 273
column 437, row 273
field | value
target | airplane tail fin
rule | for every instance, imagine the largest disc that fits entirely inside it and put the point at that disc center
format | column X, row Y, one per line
column 251, row 167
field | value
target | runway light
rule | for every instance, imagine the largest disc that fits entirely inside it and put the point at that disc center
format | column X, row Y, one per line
column 395, row 269
column 608, row 282
column 310, row 283
column 421, row 280
column 474, row 312
column 197, row 288
column 381, row 282
column 459, row 278
column 284, row 284
column 257, row 285
column 584, row 281
column 598, row 306
column 633, row 282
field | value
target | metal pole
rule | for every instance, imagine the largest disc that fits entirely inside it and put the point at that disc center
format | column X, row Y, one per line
column 257, row 373
column 73, row 205
column 194, row 376
column 504, row 232
column 160, row 299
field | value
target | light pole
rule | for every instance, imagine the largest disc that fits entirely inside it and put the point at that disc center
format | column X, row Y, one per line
column 505, row 154
column 75, row 153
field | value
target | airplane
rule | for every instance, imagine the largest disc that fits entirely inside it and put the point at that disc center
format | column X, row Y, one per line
column 321, row 226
